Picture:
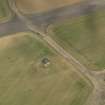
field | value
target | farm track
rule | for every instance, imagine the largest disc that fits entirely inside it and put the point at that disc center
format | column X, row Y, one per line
column 96, row 78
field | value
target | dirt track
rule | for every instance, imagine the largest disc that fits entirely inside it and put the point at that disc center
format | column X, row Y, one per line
column 98, row 95
column 16, row 25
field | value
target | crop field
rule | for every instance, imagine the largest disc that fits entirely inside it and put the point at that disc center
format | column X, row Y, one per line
column 4, row 9
column 32, row 6
column 84, row 37
column 25, row 80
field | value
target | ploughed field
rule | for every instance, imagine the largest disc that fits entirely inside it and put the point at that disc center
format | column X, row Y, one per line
column 26, row 80
column 33, row 6
column 84, row 38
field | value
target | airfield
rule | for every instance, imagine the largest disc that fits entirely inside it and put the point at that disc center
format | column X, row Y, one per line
column 55, row 57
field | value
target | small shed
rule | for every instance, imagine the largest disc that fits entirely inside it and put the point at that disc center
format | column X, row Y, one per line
column 45, row 61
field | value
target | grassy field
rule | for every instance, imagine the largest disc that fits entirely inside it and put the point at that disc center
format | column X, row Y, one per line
column 32, row 6
column 24, row 80
column 4, row 10
column 84, row 37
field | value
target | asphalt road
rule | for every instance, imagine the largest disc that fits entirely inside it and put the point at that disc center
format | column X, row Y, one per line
column 42, row 20
column 57, row 15
column 13, row 26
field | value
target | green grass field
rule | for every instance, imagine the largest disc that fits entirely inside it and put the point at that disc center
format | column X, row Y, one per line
column 84, row 37
column 4, row 9
column 24, row 80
